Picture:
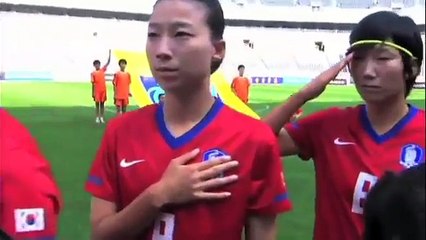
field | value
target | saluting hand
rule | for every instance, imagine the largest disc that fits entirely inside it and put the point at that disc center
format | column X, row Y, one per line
column 314, row 88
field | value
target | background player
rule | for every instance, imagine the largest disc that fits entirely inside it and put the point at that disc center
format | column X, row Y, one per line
column 121, row 84
column 241, row 85
column 99, row 90
column 138, row 192
column 353, row 147
column 395, row 207
column 30, row 201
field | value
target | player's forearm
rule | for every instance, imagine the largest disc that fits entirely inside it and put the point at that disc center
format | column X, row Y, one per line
column 283, row 113
column 261, row 228
column 132, row 220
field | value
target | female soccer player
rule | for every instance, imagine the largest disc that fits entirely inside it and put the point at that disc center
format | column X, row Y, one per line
column 352, row 147
column 140, row 193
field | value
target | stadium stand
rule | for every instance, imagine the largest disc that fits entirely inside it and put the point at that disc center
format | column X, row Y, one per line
column 285, row 47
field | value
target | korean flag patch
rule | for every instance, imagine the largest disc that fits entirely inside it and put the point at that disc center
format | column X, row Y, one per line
column 29, row 220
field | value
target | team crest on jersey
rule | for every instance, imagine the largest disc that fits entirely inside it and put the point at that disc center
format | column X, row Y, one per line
column 214, row 153
column 412, row 155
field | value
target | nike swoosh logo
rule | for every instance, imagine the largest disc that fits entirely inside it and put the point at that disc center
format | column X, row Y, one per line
column 125, row 164
column 337, row 141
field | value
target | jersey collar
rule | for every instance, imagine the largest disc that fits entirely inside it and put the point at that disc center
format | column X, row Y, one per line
column 176, row 142
column 394, row 131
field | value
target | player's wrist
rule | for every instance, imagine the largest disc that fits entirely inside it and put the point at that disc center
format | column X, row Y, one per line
column 159, row 197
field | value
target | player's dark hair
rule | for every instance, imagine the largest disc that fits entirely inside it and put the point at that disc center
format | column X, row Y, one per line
column 401, row 30
column 122, row 61
column 215, row 19
column 96, row 62
column 395, row 207
column 215, row 65
column 216, row 22
column 241, row 66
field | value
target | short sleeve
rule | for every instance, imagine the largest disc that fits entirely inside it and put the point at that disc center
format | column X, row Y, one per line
column 30, row 198
column 31, row 210
column 268, row 191
column 304, row 131
column 101, row 181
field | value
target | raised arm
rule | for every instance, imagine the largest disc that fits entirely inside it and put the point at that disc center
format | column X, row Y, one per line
column 283, row 113
column 108, row 61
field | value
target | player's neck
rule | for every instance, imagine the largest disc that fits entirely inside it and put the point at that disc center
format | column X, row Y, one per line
column 181, row 113
column 384, row 118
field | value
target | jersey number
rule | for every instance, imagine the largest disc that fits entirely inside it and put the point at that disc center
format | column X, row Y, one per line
column 363, row 185
column 164, row 227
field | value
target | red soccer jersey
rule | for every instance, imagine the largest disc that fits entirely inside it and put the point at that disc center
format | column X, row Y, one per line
column 349, row 157
column 137, row 148
column 29, row 197
column 98, row 80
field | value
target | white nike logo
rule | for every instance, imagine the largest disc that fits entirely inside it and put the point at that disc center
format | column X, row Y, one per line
column 125, row 164
column 337, row 141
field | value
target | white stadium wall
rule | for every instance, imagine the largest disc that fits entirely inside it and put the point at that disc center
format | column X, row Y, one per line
column 62, row 48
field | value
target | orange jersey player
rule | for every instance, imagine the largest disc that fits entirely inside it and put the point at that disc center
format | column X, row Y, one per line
column 99, row 90
column 121, row 83
column 241, row 85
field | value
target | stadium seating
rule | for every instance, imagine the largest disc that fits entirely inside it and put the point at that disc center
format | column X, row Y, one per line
column 273, row 52
column 342, row 11
column 342, row 3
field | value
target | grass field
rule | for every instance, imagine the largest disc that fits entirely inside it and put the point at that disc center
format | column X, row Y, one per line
column 61, row 117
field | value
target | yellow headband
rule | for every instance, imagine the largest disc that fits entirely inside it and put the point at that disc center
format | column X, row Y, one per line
column 390, row 44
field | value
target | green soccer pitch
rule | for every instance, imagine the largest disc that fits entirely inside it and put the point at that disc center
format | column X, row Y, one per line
column 61, row 117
